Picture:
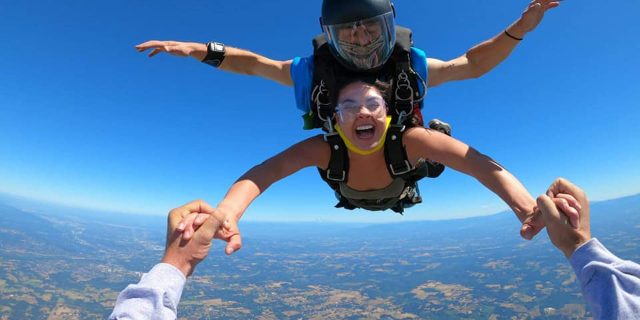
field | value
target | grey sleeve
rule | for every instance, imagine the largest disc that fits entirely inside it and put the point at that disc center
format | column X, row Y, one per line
column 156, row 296
column 610, row 285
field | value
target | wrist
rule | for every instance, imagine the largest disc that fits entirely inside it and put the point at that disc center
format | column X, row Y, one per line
column 516, row 30
column 571, row 249
column 198, row 50
column 215, row 53
column 184, row 266
column 229, row 211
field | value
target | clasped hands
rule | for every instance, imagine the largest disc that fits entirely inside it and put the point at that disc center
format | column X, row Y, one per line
column 190, row 230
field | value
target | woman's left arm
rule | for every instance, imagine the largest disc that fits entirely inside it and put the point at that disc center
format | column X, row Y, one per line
column 433, row 145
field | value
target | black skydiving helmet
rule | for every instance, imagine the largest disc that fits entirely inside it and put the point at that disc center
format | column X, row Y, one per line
column 361, row 33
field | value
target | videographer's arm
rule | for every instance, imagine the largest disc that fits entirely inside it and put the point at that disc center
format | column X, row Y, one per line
column 235, row 60
column 610, row 285
column 158, row 293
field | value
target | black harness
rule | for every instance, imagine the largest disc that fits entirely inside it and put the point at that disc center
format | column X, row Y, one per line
column 404, row 110
column 328, row 71
column 397, row 164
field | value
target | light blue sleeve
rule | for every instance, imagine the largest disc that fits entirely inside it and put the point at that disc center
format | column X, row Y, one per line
column 419, row 65
column 302, row 76
column 610, row 285
column 156, row 296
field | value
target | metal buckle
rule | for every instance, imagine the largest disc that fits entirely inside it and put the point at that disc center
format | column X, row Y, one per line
column 344, row 175
column 397, row 173
column 404, row 85
column 326, row 136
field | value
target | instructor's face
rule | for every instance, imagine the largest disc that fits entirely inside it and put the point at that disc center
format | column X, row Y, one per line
column 360, row 33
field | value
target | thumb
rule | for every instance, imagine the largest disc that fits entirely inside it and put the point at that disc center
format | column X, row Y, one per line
column 235, row 244
column 550, row 213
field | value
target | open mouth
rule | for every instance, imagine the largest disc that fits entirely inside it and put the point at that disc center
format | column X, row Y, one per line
column 366, row 131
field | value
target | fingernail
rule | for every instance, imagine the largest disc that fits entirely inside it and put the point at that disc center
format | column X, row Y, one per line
column 181, row 226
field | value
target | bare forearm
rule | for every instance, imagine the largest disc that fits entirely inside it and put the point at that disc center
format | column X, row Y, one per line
column 485, row 56
column 246, row 62
column 510, row 190
column 235, row 60
column 249, row 63
column 246, row 189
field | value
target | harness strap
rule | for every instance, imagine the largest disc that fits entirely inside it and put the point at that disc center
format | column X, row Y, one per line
column 338, row 169
column 323, row 95
column 339, row 161
column 394, row 153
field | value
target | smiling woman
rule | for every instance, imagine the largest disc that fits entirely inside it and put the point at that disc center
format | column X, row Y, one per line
column 362, row 117
column 366, row 180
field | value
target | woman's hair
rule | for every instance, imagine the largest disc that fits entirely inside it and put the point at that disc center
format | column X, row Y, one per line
column 383, row 87
column 385, row 90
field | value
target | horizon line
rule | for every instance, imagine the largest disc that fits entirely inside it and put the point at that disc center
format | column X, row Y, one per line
column 113, row 211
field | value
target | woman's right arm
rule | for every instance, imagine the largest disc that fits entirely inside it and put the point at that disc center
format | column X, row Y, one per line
column 310, row 152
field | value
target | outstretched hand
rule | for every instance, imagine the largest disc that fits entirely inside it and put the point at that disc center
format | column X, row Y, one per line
column 176, row 48
column 534, row 13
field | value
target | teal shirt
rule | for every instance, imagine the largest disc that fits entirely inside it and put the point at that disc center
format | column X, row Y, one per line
column 302, row 76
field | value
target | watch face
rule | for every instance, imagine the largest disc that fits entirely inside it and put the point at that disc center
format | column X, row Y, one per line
column 215, row 54
column 216, row 47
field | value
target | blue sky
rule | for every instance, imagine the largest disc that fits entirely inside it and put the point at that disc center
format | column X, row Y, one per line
column 86, row 120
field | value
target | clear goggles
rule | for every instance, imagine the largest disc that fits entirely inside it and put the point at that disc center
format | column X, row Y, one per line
column 350, row 108
column 364, row 44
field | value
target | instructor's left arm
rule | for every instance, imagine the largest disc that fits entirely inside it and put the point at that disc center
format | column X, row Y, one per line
column 487, row 55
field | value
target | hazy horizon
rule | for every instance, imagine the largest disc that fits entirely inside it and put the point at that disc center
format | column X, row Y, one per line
column 359, row 216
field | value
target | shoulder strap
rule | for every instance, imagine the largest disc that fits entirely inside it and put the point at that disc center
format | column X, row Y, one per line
column 404, row 38
column 394, row 152
column 338, row 168
column 322, row 88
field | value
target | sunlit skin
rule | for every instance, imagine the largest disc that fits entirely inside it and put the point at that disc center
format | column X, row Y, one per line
column 362, row 95
column 369, row 171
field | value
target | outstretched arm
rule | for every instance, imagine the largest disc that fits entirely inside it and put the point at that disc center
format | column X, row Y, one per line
column 235, row 60
column 433, row 145
column 485, row 56
column 311, row 152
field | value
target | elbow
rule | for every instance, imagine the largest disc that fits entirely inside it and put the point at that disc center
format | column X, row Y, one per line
column 478, row 66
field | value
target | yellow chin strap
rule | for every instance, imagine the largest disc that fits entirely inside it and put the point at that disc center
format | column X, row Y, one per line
column 357, row 150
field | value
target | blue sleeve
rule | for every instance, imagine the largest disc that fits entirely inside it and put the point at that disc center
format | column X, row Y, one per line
column 156, row 296
column 419, row 65
column 302, row 76
column 610, row 285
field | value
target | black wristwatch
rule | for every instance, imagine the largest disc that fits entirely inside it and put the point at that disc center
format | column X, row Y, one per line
column 215, row 54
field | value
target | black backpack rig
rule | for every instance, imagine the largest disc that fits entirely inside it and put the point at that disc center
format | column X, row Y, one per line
column 404, row 109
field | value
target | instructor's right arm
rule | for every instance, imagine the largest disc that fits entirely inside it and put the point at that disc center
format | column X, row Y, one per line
column 235, row 60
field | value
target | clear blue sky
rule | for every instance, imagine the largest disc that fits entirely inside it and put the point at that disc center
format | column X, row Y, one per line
column 86, row 120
